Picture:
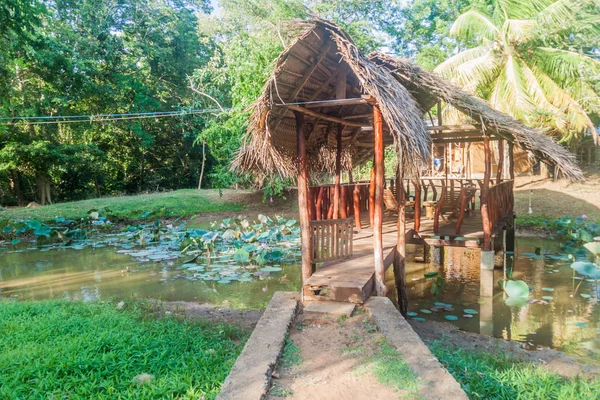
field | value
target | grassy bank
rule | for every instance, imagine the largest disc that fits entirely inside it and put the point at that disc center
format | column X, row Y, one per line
column 491, row 375
column 177, row 203
column 55, row 349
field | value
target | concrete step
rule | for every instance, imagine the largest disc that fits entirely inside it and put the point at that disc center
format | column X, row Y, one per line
column 318, row 310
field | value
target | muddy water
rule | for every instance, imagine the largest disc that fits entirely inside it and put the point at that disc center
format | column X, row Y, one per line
column 102, row 273
column 554, row 317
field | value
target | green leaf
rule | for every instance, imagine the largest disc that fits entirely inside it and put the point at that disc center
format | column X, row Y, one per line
column 517, row 289
column 241, row 256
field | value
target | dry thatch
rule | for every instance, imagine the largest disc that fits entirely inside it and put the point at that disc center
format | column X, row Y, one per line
column 324, row 63
column 309, row 70
column 428, row 88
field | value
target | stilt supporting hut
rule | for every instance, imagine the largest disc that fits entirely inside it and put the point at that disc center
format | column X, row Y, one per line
column 326, row 109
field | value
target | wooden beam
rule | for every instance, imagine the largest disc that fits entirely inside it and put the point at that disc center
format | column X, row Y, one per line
column 511, row 161
column 324, row 116
column 456, row 134
column 453, row 128
column 400, row 254
column 303, row 200
column 334, row 103
column 372, row 196
column 417, row 184
column 485, row 211
column 465, row 140
column 500, row 169
column 358, row 116
column 378, row 209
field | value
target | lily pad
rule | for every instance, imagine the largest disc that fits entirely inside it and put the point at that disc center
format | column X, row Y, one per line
column 548, row 298
column 581, row 324
column 516, row 301
column 418, row 319
column 270, row 269
column 585, row 295
column 425, row 311
column 517, row 289
column 451, row 317
column 432, row 274
column 548, row 289
column 470, row 311
column 411, row 314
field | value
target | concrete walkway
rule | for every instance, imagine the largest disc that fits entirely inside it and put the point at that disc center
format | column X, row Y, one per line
column 250, row 377
column 436, row 382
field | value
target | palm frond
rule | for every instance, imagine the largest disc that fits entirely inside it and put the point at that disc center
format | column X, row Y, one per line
column 564, row 66
column 561, row 12
column 447, row 68
column 519, row 30
column 541, row 102
column 510, row 92
column 521, row 9
column 560, row 98
column 473, row 25
column 478, row 72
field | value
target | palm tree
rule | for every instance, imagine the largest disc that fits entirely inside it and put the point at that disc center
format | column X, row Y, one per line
column 531, row 62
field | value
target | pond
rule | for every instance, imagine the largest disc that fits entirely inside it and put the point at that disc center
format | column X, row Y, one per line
column 551, row 317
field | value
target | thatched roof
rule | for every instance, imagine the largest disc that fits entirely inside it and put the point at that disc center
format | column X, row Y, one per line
column 309, row 71
column 323, row 64
column 429, row 88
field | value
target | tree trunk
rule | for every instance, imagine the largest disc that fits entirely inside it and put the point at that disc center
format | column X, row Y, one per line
column 15, row 186
column 203, row 161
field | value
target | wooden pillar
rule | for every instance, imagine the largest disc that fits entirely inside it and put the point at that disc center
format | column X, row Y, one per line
column 356, row 201
column 338, row 173
column 378, row 209
column 417, row 184
column 500, row 161
column 372, row 196
column 485, row 212
column 400, row 254
column 303, row 198
column 511, row 161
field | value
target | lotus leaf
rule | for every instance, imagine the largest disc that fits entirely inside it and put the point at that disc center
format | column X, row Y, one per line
column 586, row 269
column 241, row 256
column 418, row 319
column 426, row 311
column 411, row 314
column 431, row 274
column 470, row 311
column 451, row 317
column 517, row 289
column 516, row 301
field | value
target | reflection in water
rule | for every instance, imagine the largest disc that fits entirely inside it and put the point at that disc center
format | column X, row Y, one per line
column 557, row 319
column 93, row 274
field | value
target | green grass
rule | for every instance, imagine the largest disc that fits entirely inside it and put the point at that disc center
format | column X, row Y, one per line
column 391, row 370
column 177, row 203
column 290, row 357
column 493, row 375
column 75, row 350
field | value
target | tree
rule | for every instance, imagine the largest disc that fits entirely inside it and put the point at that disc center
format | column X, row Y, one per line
column 531, row 62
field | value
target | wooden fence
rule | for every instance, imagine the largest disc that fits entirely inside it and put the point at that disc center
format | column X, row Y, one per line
column 331, row 239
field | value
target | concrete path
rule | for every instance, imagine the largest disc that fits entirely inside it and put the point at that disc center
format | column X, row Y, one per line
column 250, row 377
column 436, row 382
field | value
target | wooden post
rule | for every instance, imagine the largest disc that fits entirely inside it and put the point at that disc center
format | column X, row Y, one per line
column 417, row 184
column 344, row 201
column 302, row 198
column 356, row 201
column 400, row 254
column 485, row 212
column 372, row 196
column 338, row 173
column 378, row 209
column 511, row 161
column 500, row 161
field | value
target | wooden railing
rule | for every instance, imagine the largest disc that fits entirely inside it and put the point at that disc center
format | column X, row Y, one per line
column 500, row 202
column 351, row 196
column 331, row 239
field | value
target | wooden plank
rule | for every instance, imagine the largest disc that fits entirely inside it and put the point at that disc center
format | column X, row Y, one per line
column 324, row 116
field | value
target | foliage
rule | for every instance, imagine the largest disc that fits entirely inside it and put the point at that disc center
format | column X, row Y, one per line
column 392, row 370
column 97, row 350
column 530, row 62
column 496, row 375
column 290, row 357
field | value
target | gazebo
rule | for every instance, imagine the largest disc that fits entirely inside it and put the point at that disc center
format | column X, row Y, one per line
column 328, row 108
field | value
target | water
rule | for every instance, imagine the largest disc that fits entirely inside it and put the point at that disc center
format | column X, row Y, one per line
column 566, row 321
column 93, row 274
column 569, row 323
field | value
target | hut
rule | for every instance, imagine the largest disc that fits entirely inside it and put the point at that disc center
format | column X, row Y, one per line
column 328, row 108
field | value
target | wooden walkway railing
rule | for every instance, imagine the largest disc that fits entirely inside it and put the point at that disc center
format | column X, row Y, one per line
column 500, row 202
column 331, row 239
